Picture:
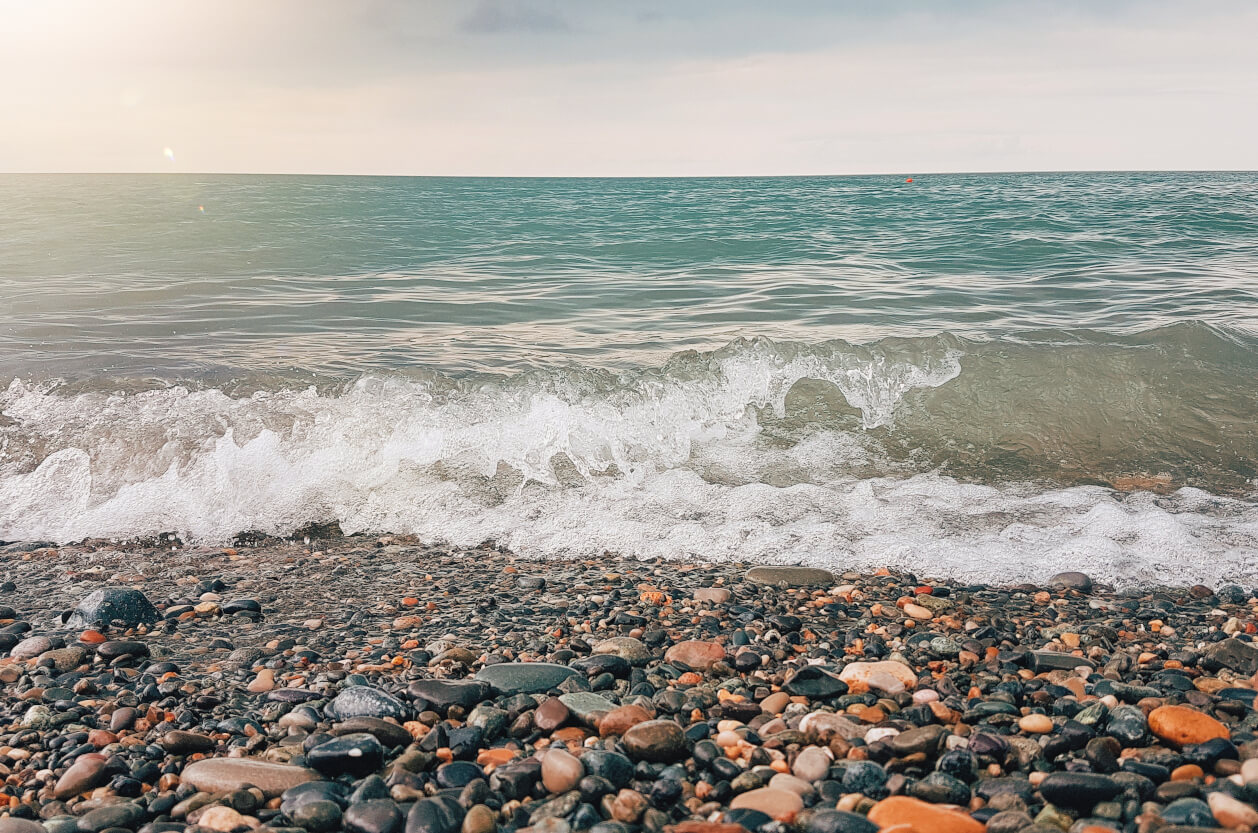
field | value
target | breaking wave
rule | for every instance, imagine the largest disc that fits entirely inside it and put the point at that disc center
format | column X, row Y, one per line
column 1131, row 455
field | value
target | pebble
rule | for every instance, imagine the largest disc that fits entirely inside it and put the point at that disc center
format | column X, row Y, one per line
column 655, row 740
column 778, row 804
column 108, row 604
column 215, row 775
column 615, row 696
column 525, row 677
column 1184, row 726
column 561, row 771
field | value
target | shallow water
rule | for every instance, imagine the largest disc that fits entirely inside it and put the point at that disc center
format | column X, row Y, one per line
column 992, row 376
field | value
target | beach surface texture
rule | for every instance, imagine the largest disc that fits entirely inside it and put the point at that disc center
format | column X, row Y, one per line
column 377, row 685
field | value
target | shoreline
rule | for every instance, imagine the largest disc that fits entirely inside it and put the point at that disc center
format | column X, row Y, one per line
column 685, row 694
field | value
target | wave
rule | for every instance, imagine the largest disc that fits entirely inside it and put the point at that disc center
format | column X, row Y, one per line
column 1134, row 455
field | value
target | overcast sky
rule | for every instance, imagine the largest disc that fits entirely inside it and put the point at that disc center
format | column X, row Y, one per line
column 660, row 87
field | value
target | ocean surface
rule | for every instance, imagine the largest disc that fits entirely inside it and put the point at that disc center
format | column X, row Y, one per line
column 993, row 377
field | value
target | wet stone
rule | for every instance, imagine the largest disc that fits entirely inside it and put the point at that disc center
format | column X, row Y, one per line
column 109, row 604
column 525, row 677
column 366, row 701
column 790, row 576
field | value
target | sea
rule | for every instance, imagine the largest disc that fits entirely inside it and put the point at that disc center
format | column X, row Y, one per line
column 989, row 377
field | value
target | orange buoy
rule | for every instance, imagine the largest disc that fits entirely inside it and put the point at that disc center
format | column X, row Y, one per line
column 910, row 179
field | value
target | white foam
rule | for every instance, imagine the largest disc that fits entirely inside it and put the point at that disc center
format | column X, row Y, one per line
column 669, row 464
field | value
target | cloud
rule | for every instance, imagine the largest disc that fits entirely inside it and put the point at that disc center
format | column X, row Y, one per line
column 499, row 17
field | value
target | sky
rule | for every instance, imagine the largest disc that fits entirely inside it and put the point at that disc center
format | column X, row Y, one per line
column 624, row 88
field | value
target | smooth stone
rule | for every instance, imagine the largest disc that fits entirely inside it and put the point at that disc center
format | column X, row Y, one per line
column 561, row 771
column 1228, row 811
column 616, row 768
column 791, row 576
column 179, row 742
column 1072, row 580
column 838, row 821
column 1036, row 724
column 1078, row 790
column 217, row 775
column 480, row 819
column 12, row 825
column 434, row 815
column 112, row 815
column 525, row 677
column 911, row 815
column 586, row 706
column 113, row 603
column 389, row 734
column 318, row 816
column 366, row 701
column 86, row 773
column 446, row 693
column 862, row 672
column 696, row 654
column 777, row 804
column 1185, row 726
column 551, row 714
column 121, row 648
column 622, row 719
column 458, row 774
column 358, row 755
column 712, row 595
column 632, row 650
column 655, row 740
column 31, row 647
column 812, row 764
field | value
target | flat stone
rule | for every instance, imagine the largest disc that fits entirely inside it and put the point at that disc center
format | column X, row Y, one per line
column 525, row 677
column 627, row 648
column 367, row 701
column 791, row 576
column 695, row 654
column 113, row 603
column 868, row 673
column 712, row 595
column 216, row 775
column 445, row 693
column 31, row 647
column 912, row 815
column 778, row 804
column 389, row 734
column 587, row 707
column 1078, row 790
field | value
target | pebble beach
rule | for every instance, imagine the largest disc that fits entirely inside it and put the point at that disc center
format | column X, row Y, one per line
column 379, row 685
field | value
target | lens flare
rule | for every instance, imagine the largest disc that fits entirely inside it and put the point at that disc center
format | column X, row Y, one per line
column 169, row 154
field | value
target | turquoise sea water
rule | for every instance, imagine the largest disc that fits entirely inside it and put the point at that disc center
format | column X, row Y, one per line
column 992, row 375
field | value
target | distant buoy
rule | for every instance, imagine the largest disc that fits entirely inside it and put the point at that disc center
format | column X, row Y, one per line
column 910, row 179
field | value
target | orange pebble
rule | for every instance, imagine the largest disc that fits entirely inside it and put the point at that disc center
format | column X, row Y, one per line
column 92, row 637
column 1187, row 772
column 410, row 601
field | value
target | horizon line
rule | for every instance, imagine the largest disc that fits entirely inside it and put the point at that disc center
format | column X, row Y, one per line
column 905, row 173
